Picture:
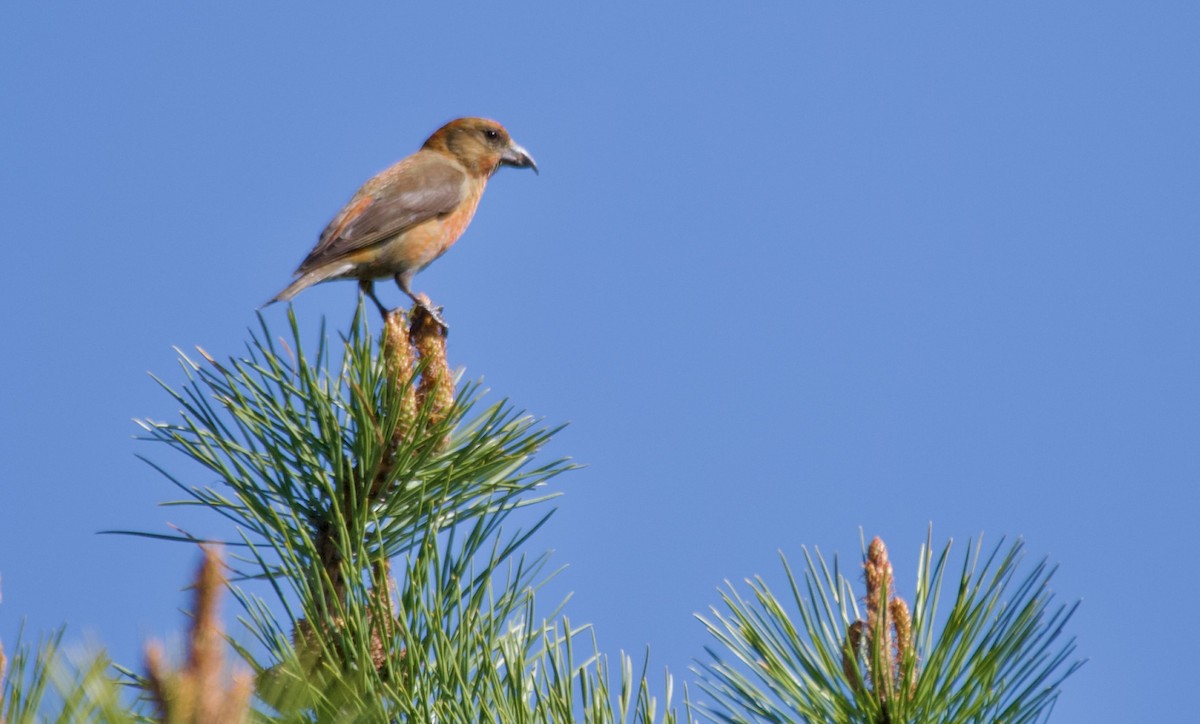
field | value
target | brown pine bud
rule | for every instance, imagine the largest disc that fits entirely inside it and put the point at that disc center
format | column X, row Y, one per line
column 398, row 356
column 902, row 622
column 850, row 654
column 436, row 388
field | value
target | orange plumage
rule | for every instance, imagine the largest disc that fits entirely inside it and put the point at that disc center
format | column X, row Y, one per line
column 408, row 215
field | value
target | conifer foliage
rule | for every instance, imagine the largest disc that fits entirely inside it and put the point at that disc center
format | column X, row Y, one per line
column 335, row 470
column 367, row 534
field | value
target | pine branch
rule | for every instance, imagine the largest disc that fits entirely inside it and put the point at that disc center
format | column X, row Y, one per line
column 372, row 500
column 997, row 656
column 196, row 693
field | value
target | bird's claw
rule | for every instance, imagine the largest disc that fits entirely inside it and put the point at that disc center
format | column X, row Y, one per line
column 423, row 309
column 435, row 313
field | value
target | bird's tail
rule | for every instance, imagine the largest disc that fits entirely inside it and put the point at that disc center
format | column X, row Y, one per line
column 306, row 280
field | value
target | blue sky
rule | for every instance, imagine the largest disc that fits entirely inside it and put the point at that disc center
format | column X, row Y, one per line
column 788, row 270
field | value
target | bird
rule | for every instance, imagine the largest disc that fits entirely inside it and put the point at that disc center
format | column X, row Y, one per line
column 411, row 213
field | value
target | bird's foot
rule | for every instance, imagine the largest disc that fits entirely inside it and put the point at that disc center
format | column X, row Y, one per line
column 426, row 307
column 435, row 313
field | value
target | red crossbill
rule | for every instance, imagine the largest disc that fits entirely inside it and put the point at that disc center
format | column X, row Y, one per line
column 411, row 213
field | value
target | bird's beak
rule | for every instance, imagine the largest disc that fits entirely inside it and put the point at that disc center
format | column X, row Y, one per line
column 517, row 157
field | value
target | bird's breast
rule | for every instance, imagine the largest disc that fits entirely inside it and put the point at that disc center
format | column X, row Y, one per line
column 456, row 222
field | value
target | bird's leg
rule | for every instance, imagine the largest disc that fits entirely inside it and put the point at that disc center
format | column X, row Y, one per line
column 366, row 286
column 402, row 281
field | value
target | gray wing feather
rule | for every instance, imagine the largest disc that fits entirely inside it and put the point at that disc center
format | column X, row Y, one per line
column 421, row 189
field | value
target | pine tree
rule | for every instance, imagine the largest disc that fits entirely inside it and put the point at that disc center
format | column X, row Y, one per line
column 379, row 575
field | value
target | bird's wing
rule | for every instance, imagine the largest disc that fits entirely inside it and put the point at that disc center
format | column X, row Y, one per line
column 421, row 187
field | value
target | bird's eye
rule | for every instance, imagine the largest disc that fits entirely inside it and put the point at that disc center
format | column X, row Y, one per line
column 491, row 133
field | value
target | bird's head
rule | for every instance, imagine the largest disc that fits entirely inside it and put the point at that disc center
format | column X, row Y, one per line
column 481, row 145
